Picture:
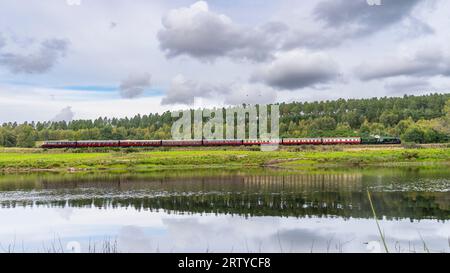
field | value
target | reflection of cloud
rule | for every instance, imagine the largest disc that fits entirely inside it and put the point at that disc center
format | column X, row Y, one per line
column 65, row 212
column 145, row 231
column 133, row 239
column 223, row 233
column 183, row 237
column 238, row 234
column 293, row 239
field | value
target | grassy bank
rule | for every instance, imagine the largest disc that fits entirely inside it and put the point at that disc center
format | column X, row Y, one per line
column 35, row 159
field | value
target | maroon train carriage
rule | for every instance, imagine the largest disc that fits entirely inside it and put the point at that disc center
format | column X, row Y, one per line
column 140, row 143
column 222, row 142
column 181, row 143
column 341, row 140
column 198, row 142
column 302, row 141
column 59, row 144
column 97, row 143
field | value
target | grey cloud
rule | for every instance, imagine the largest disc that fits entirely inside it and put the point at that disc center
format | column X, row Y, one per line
column 2, row 41
column 344, row 13
column 185, row 91
column 250, row 94
column 197, row 32
column 325, row 38
column 428, row 62
column 415, row 27
column 200, row 33
column 66, row 114
column 134, row 86
column 407, row 85
column 274, row 27
column 297, row 69
column 49, row 53
column 349, row 19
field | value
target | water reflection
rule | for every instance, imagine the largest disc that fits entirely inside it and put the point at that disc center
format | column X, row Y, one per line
column 417, row 196
column 249, row 210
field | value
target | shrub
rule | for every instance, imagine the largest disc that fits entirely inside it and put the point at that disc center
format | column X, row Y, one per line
column 411, row 145
column 410, row 155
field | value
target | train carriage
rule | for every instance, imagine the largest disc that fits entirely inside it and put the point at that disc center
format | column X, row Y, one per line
column 97, row 143
column 222, row 142
column 340, row 140
column 302, row 141
column 181, row 143
column 59, row 144
column 140, row 143
column 250, row 142
column 270, row 141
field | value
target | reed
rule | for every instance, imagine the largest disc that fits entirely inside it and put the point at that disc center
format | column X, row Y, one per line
column 383, row 239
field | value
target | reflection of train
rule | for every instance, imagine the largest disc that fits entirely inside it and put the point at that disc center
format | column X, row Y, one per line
column 220, row 142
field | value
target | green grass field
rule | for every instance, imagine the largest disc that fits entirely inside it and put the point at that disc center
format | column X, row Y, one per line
column 36, row 159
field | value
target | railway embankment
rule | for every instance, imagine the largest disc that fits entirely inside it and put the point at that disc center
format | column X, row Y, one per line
column 18, row 160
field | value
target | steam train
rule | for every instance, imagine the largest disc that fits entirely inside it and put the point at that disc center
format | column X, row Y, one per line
column 221, row 142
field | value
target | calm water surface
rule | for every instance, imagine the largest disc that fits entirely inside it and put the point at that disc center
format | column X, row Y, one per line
column 224, row 211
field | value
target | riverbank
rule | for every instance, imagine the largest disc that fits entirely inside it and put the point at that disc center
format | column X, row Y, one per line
column 12, row 160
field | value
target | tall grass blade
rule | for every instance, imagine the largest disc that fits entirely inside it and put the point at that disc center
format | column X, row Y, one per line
column 376, row 221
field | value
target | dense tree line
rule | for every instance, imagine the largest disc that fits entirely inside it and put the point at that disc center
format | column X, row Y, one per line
column 420, row 119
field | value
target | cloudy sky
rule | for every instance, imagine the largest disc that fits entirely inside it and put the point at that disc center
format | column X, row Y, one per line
column 65, row 59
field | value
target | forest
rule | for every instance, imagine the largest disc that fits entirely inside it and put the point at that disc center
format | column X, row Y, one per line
column 415, row 119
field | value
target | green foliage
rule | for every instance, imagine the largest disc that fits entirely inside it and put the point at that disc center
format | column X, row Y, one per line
column 389, row 119
column 26, row 136
column 403, row 125
column 410, row 155
column 414, row 134
column 98, row 159
column 419, row 119
column 447, row 109
column 7, row 138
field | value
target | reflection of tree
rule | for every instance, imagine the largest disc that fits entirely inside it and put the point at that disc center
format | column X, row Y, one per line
column 391, row 205
column 300, row 195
